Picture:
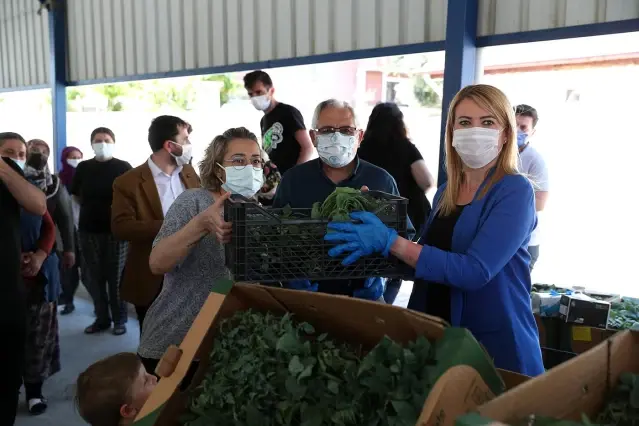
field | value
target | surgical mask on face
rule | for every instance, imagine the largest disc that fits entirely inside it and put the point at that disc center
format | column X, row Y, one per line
column 20, row 163
column 73, row 162
column 261, row 103
column 103, row 151
column 522, row 138
column 37, row 160
column 187, row 154
column 335, row 149
column 476, row 146
column 245, row 181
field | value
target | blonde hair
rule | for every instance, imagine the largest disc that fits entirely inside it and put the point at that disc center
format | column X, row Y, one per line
column 496, row 103
column 210, row 172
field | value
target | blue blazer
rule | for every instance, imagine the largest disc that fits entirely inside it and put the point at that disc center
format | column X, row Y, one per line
column 488, row 273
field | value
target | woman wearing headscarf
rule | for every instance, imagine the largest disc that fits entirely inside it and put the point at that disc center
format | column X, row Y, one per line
column 70, row 158
column 58, row 200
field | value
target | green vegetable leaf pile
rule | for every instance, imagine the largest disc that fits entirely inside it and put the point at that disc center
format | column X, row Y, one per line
column 621, row 409
column 343, row 201
column 269, row 370
column 624, row 315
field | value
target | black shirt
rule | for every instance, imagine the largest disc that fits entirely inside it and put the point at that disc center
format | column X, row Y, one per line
column 430, row 297
column 278, row 135
column 11, row 289
column 93, row 183
column 307, row 183
column 396, row 158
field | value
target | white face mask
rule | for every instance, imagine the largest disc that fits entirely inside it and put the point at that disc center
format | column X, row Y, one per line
column 246, row 181
column 261, row 103
column 73, row 162
column 335, row 149
column 187, row 154
column 20, row 163
column 103, row 151
column 476, row 146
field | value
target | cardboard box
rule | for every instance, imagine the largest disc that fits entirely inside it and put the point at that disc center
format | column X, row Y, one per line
column 461, row 389
column 575, row 309
column 579, row 338
column 575, row 387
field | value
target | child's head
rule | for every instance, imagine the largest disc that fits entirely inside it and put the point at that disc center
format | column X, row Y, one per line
column 112, row 391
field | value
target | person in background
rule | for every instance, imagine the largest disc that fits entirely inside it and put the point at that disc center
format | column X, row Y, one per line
column 70, row 277
column 472, row 263
column 141, row 199
column 58, row 202
column 532, row 164
column 103, row 254
column 113, row 390
column 188, row 250
column 16, row 194
column 337, row 137
column 284, row 135
column 386, row 145
column 41, row 278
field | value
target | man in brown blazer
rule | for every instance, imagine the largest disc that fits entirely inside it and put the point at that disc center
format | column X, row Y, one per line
column 141, row 198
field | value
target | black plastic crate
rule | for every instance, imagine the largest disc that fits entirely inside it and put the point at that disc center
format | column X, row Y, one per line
column 278, row 245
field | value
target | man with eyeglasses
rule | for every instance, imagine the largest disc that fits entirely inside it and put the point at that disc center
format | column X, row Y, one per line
column 336, row 137
column 141, row 198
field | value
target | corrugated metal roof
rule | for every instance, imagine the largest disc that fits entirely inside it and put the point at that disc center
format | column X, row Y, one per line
column 24, row 45
column 513, row 16
column 115, row 38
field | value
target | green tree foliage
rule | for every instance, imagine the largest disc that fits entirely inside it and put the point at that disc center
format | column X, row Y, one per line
column 424, row 93
column 229, row 88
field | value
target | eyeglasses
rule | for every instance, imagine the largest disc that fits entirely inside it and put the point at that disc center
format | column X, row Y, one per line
column 345, row 130
column 240, row 163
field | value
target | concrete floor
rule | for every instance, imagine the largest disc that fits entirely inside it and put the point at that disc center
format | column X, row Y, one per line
column 79, row 350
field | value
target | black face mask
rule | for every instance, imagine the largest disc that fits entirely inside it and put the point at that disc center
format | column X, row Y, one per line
column 37, row 160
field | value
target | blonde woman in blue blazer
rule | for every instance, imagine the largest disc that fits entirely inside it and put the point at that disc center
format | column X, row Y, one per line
column 471, row 263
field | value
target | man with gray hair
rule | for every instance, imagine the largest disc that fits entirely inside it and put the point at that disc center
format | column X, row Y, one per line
column 336, row 136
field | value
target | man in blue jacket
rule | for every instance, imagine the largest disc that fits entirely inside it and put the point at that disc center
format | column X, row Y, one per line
column 336, row 136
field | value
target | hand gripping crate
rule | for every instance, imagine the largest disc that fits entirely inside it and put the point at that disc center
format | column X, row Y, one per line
column 278, row 245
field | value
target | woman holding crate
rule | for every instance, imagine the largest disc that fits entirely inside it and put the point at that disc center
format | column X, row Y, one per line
column 188, row 250
column 471, row 265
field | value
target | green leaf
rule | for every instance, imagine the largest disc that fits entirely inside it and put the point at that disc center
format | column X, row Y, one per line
column 288, row 343
column 333, row 386
column 405, row 411
column 306, row 373
column 295, row 366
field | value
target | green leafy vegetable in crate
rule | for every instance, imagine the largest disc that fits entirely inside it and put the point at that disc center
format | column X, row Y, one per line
column 268, row 370
column 343, row 201
column 624, row 315
column 621, row 409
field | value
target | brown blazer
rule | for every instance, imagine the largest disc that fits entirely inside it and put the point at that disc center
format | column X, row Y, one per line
column 136, row 217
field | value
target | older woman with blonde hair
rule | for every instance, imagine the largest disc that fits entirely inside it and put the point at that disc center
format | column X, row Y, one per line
column 187, row 250
column 471, row 262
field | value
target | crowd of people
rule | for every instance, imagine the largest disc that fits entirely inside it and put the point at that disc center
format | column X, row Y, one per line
column 154, row 235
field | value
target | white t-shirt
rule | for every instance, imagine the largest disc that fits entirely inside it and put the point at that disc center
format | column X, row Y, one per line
column 532, row 164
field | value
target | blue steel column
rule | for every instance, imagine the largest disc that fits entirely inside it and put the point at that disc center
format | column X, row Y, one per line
column 58, row 75
column 459, row 71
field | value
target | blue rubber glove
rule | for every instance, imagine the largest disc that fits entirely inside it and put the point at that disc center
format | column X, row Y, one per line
column 371, row 236
column 373, row 289
column 302, row 285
